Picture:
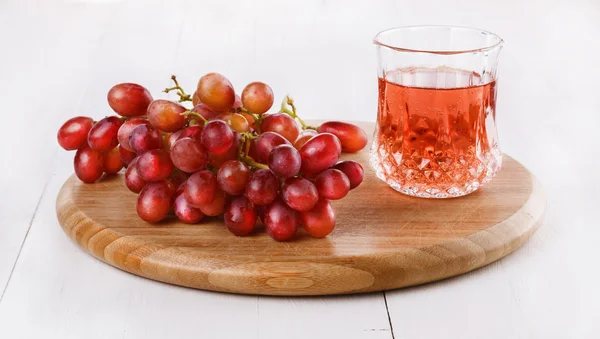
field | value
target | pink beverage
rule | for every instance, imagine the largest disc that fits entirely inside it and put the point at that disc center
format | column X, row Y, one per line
column 436, row 131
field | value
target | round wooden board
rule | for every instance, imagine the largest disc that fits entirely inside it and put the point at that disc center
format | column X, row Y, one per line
column 383, row 239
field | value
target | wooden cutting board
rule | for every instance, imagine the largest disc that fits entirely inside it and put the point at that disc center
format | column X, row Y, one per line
column 383, row 239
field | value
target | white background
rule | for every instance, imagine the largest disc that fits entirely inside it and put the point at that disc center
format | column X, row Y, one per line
column 59, row 58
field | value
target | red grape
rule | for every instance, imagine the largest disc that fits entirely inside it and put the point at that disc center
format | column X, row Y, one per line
column 144, row 138
column 126, row 156
column 281, row 222
column 103, row 135
column 303, row 137
column 237, row 103
column 189, row 155
column 233, row 176
column 186, row 212
column 204, row 112
column 262, row 187
column 112, row 161
column 73, row 134
column 216, row 160
column 299, row 193
column 194, row 132
column 166, row 115
column 240, row 216
column 332, row 184
column 130, row 100
column 320, row 153
column 170, row 138
column 353, row 170
column 200, row 188
column 216, row 92
column 155, row 165
column 257, row 97
column 320, row 220
column 216, row 206
column 265, row 144
column 126, row 129
column 133, row 180
column 155, row 200
column 217, row 136
column 282, row 124
column 239, row 123
column 352, row 137
column 88, row 164
column 195, row 99
column 284, row 161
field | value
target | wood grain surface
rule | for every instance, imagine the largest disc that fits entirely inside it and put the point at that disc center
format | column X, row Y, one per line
column 383, row 239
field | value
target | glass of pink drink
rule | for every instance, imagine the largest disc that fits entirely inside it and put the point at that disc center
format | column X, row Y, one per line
column 436, row 121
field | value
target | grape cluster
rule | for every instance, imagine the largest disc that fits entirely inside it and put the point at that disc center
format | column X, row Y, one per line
column 225, row 156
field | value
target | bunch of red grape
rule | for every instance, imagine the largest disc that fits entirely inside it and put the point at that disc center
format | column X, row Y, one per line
column 225, row 156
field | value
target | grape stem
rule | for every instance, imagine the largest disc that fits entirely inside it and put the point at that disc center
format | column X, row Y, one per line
column 247, row 138
column 284, row 109
column 182, row 95
column 194, row 114
column 249, row 161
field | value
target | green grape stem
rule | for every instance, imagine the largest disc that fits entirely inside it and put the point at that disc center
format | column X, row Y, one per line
column 287, row 101
column 194, row 114
column 182, row 95
column 243, row 155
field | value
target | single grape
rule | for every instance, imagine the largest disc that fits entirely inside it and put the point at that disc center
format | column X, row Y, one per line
column 239, row 123
column 112, row 161
column 200, row 188
column 281, row 222
column 319, row 153
column 320, row 220
column 216, row 92
column 144, row 138
column 194, row 132
column 189, row 155
column 217, row 136
column 186, row 212
column 240, row 216
column 332, row 184
column 126, row 156
column 170, row 138
column 284, row 161
column 130, row 100
column 204, row 111
column 352, row 137
column 216, row 206
column 233, row 176
column 133, row 180
column 237, row 103
column 216, row 160
column 178, row 177
column 125, row 131
column 265, row 143
column 257, row 97
column 154, row 201
column 103, row 135
column 282, row 124
column 250, row 120
column 303, row 137
column 166, row 115
column 73, row 134
column 155, row 165
column 299, row 193
column 262, row 187
column 88, row 164
column 353, row 170
column 195, row 99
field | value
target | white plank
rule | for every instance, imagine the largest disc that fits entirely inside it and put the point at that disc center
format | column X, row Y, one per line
column 41, row 82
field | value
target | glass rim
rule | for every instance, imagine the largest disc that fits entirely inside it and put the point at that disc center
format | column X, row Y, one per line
column 377, row 40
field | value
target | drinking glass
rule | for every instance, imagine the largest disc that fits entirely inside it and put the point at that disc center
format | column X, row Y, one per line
column 436, row 122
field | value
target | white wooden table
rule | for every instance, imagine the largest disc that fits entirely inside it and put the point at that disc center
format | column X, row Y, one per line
column 59, row 58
